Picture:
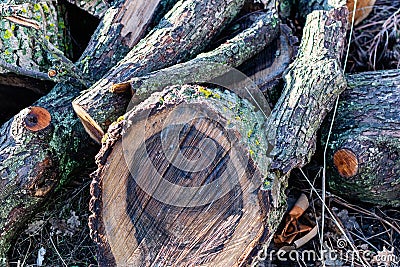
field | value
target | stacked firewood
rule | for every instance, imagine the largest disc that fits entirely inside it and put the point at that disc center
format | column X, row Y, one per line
column 194, row 158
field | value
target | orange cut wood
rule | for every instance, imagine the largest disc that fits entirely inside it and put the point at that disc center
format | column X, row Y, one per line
column 37, row 119
column 346, row 162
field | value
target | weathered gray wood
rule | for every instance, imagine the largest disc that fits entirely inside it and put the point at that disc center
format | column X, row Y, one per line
column 364, row 149
column 134, row 228
column 33, row 164
column 210, row 65
column 182, row 34
column 312, row 84
column 267, row 67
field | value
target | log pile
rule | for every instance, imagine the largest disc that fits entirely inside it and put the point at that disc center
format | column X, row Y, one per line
column 193, row 164
column 58, row 148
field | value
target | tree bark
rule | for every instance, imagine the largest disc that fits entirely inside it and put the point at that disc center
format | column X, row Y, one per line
column 96, row 8
column 207, row 67
column 312, row 83
column 17, row 42
column 138, row 218
column 180, row 36
column 36, row 86
column 62, row 148
column 266, row 68
column 364, row 148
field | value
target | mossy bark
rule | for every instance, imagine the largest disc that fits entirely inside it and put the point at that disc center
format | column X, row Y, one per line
column 207, row 67
column 312, row 84
column 96, row 8
column 182, row 34
column 367, row 126
column 17, row 42
column 33, row 164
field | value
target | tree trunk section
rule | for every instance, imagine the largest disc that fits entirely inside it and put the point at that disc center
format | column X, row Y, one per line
column 312, row 84
column 364, row 149
column 63, row 147
column 180, row 36
column 181, row 185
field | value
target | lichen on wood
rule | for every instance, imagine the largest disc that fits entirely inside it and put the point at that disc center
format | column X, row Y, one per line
column 19, row 47
column 179, row 36
column 209, row 65
column 34, row 164
column 95, row 8
column 367, row 127
column 117, row 215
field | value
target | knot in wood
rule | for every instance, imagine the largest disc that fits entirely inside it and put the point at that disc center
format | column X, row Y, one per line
column 52, row 73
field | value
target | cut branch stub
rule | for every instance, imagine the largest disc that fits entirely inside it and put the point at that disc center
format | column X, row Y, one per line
column 346, row 162
column 364, row 149
column 37, row 119
column 178, row 182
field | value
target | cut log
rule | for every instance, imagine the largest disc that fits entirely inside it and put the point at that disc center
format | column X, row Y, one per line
column 193, row 202
column 207, row 67
column 364, row 149
column 62, row 148
column 182, row 34
column 312, row 84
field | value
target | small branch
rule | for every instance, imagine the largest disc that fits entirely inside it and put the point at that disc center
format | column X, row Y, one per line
column 22, row 71
column 210, row 65
column 66, row 70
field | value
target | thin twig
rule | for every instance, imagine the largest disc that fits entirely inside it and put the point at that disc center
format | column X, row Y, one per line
column 58, row 253
column 330, row 132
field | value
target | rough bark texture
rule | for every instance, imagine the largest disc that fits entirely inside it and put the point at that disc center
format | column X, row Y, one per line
column 60, row 148
column 182, row 34
column 305, row 7
column 312, row 84
column 208, row 66
column 364, row 149
column 95, row 8
column 18, row 45
column 137, row 227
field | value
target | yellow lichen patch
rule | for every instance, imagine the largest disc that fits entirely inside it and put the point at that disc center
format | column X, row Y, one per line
column 8, row 34
column 251, row 152
column 104, row 138
column 120, row 119
column 205, row 91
